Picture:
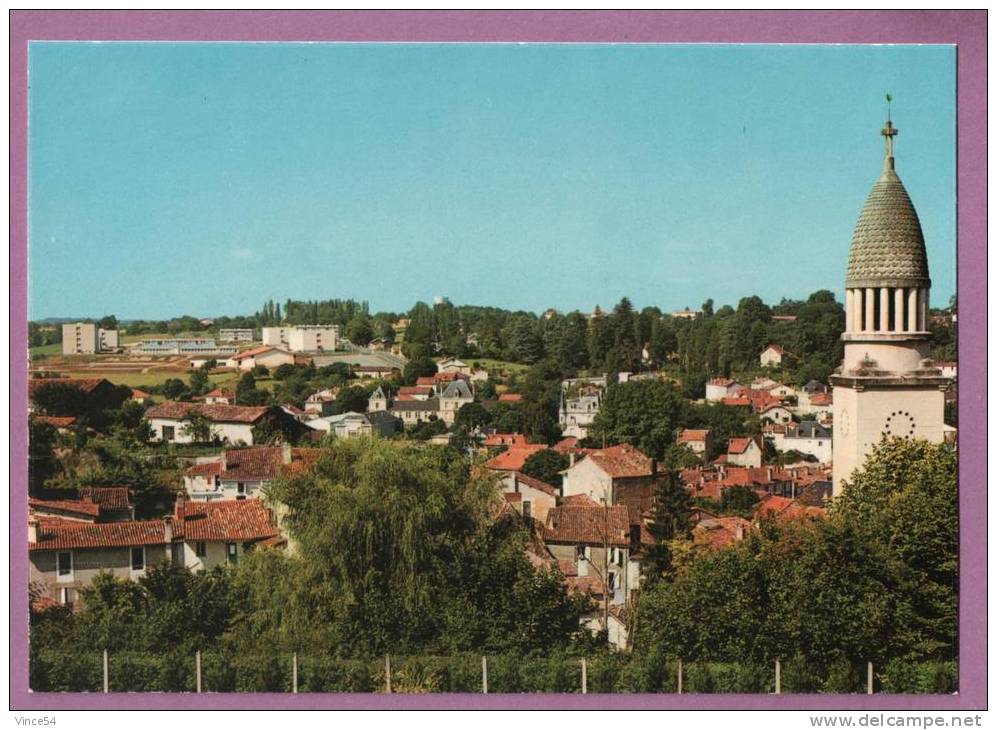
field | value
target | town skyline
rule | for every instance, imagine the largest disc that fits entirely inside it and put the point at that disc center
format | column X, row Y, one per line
column 519, row 177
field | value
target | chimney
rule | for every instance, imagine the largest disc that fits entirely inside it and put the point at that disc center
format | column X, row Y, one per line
column 33, row 530
column 285, row 452
column 179, row 508
column 224, row 461
column 739, row 532
column 167, row 530
column 768, row 474
column 571, row 459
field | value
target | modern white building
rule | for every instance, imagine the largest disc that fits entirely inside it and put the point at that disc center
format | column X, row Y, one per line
column 887, row 386
column 303, row 337
column 235, row 335
column 86, row 338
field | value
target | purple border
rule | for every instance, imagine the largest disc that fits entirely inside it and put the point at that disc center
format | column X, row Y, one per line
column 966, row 29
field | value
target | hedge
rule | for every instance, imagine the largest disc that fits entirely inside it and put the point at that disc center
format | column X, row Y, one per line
column 55, row 671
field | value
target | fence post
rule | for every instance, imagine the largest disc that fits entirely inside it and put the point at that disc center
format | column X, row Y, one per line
column 484, row 675
column 197, row 668
column 294, row 673
column 680, row 677
column 387, row 673
column 869, row 679
column 106, row 683
column 778, row 677
column 585, row 677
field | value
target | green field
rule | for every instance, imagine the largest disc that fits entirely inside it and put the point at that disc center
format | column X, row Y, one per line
column 142, row 380
column 45, row 350
column 499, row 367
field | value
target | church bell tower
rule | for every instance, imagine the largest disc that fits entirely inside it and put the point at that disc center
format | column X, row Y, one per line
column 886, row 384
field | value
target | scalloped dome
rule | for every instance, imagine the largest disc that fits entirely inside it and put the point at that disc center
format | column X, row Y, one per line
column 888, row 245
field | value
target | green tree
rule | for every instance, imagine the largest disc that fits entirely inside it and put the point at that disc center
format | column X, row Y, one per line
column 418, row 367
column 546, row 466
column 353, row 398
column 670, row 520
column 199, row 382
column 197, row 428
column 472, row 415
column 642, row 413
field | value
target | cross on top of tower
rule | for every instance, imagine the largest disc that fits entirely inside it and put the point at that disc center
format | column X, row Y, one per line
column 889, row 132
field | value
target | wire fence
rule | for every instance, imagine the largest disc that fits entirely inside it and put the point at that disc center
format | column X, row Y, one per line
column 213, row 671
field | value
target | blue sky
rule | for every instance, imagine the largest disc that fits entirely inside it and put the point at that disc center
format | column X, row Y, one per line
column 203, row 179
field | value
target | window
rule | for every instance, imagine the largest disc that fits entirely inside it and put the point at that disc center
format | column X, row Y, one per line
column 138, row 559
column 176, row 553
column 527, row 509
column 231, row 552
column 64, row 567
column 240, row 490
column 200, row 549
column 168, row 433
column 612, row 582
column 66, row 596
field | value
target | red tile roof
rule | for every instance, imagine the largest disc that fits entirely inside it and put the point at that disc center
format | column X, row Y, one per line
column 415, row 390
column 722, row 381
column 579, row 500
column 80, row 507
column 533, row 483
column 505, row 439
column 139, row 394
column 255, row 464
column 588, row 525
column 108, row 497
column 774, row 348
column 56, row 421
column 720, row 532
column 510, row 398
column 220, row 393
column 229, row 520
column 692, row 435
column 622, row 461
column 737, row 401
column 87, row 385
column 426, row 380
column 56, row 534
column 740, row 445
column 257, row 351
column 216, row 412
column 514, row 458
column 821, row 399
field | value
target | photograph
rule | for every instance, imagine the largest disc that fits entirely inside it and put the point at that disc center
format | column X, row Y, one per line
column 512, row 368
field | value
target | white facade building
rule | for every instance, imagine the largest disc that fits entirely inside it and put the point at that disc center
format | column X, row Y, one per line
column 303, row 338
column 86, row 338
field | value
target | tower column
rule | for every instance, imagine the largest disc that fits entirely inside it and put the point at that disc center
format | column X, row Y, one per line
column 851, row 307
column 923, row 313
column 884, row 309
column 870, row 309
column 912, row 314
column 898, row 309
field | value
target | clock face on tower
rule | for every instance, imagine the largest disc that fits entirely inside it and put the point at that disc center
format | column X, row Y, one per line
column 843, row 424
column 899, row 424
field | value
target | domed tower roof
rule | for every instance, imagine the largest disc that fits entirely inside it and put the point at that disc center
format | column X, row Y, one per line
column 888, row 245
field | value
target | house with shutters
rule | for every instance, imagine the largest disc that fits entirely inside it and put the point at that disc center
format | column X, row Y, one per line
column 238, row 474
column 65, row 555
column 229, row 424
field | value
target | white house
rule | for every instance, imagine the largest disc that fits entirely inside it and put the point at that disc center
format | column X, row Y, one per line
column 808, row 437
column 776, row 414
column 772, row 356
column 269, row 357
column 719, row 388
column 453, row 365
column 352, row 424
column 698, row 440
column 243, row 473
column 455, row 395
column 744, row 452
column 612, row 475
column 577, row 414
column 229, row 424
column 533, row 498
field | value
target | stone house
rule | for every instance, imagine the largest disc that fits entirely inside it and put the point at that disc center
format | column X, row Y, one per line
column 614, row 475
